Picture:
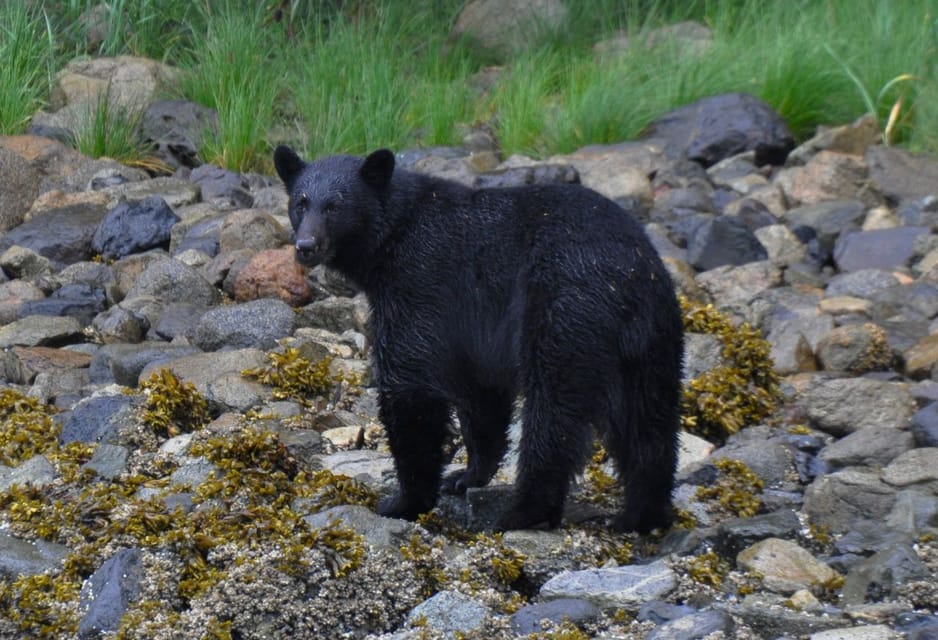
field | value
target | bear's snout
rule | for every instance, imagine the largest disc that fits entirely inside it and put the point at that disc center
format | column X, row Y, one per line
column 309, row 251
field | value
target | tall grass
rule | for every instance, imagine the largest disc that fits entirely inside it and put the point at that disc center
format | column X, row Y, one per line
column 26, row 64
column 105, row 128
column 238, row 69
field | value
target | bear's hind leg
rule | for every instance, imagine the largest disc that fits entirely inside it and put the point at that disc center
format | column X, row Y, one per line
column 416, row 426
column 555, row 442
column 642, row 439
column 484, row 428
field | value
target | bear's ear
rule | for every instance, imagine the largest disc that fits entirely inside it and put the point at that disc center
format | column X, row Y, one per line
column 288, row 164
column 377, row 168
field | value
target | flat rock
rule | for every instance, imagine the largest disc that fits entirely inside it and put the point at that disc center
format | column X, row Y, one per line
column 96, row 419
column 913, row 467
column 784, row 566
column 868, row 632
column 901, row 175
column 451, row 613
column 528, row 619
column 107, row 593
column 841, row 498
column 28, row 558
column 871, row 447
column 40, row 331
column 844, row 405
column 878, row 249
column 625, row 587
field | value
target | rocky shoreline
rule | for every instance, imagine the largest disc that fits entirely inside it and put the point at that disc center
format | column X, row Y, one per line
column 109, row 275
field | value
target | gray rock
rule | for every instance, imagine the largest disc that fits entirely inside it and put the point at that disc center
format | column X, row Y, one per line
column 844, row 405
column 925, row 426
column 388, row 533
column 175, row 128
column 134, row 227
column 880, row 576
column 20, row 188
column 916, row 298
column 79, row 301
column 840, row 499
column 12, row 296
column 108, row 461
column 913, row 467
column 770, row 459
column 855, row 348
column 695, row 626
column 528, row 618
column 738, row 533
column 123, row 363
column 781, row 245
column 702, row 352
column 827, row 220
column 723, row 240
column 730, row 286
column 178, row 319
column 900, row 175
column 200, row 232
column 218, row 377
column 868, row 632
column 502, row 27
column 20, row 262
column 258, row 324
column 520, row 176
column 177, row 193
column 660, row 611
column 722, row 126
column 769, row 618
column 172, row 281
column 625, row 587
column 373, row 467
column 97, row 419
column 41, row 330
column 28, row 558
column 222, row 188
column 878, row 249
column 107, row 594
column 335, row 314
column 872, row 447
column 194, row 473
column 251, row 229
column 863, row 283
column 35, row 472
column 63, row 235
column 118, row 324
column 915, row 513
column 451, row 613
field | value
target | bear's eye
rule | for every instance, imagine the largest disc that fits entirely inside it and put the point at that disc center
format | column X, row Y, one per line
column 328, row 206
column 302, row 201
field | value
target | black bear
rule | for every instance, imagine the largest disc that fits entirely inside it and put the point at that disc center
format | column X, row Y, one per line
column 478, row 295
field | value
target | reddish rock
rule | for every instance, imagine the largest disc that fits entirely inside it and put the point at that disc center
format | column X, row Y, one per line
column 273, row 274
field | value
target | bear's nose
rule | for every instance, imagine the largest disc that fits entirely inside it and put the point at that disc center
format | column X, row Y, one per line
column 307, row 246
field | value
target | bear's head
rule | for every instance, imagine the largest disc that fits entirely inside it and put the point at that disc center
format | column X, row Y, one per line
column 333, row 201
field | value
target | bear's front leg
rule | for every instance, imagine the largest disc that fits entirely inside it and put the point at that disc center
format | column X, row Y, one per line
column 416, row 425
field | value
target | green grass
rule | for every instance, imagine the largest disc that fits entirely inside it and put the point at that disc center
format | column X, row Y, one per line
column 333, row 76
column 106, row 129
column 26, row 61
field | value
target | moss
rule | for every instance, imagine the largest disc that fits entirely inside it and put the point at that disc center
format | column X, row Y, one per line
column 684, row 519
column 601, row 487
column 172, row 406
column 507, row 565
column 708, row 568
column 294, row 377
column 426, row 557
column 26, row 428
column 743, row 391
column 737, row 489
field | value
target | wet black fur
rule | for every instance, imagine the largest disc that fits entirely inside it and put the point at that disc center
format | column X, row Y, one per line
column 553, row 292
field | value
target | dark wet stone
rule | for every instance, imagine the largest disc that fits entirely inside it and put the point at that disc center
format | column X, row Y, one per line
column 925, row 426
column 203, row 236
column 133, row 227
column 80, row 301
column 827, row 220
column 106, row 595
column 718, row 127
column 222, row 187
column 62, row 235
column 178, row 319
column 738, row 533
column 527, row 619
column 97, row 419
column 723, row 240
